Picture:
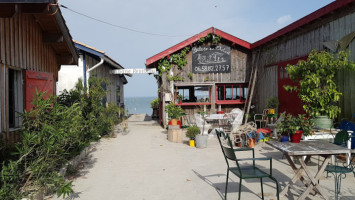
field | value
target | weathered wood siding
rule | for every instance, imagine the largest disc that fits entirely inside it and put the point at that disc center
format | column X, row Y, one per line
column 239, row 70
column 299, row 43
column 115, row 81
column 21, row 48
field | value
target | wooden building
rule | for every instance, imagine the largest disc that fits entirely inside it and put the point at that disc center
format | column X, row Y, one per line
column 329, row 28
column 214, row 78
column 34, row 42
column 94, row 63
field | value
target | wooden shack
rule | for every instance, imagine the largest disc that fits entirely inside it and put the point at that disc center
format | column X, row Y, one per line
column 325, row 29
column 94, row 63
column 213, row 76
column 34, row 42
column 330, row 28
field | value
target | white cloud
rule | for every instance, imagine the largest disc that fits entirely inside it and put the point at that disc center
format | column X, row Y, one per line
column 284, row 19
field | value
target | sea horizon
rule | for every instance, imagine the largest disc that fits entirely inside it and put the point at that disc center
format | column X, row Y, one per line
column 139, row 105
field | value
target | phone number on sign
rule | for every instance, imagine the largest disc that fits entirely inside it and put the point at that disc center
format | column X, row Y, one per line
column 215, row 68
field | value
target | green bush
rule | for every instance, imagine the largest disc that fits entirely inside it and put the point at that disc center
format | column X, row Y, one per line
column 174, row 112
column 192, row 131
column 54, row 131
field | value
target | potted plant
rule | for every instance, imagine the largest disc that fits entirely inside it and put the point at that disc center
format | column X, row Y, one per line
column 174, row 113
column 294, row 127
column 317, row 87
column 191, row 133
column 179, row 97
column 155, row 106
column 272, row 104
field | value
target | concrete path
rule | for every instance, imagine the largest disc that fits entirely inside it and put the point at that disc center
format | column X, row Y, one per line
column 144, row 165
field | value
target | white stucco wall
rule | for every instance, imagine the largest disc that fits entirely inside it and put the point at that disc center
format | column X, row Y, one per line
column 68, row 76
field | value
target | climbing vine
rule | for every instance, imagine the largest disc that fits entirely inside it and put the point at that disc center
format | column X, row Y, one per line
column 179, row 59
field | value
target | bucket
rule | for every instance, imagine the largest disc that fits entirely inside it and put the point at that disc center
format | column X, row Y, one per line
column 323, row 122
column 192, row 143
column 201, row 141
column 220, row 112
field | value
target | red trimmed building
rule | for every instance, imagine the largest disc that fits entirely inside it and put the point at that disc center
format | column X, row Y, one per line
column 217, row 75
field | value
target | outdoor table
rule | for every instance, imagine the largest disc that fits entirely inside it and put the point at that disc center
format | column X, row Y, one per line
column 307, row 149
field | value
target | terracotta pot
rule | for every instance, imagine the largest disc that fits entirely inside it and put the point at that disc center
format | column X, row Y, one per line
column 296, row 137
column 173, row 122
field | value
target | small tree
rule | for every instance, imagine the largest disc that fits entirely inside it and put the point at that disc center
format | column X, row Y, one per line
column 317, row 82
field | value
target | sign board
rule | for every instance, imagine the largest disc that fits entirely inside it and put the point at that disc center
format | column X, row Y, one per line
column 207, row 59
column 133, row 71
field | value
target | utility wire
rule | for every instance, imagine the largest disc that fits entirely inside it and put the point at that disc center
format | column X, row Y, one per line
column 121, row 27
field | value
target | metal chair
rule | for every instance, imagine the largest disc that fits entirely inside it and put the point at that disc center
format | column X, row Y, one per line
column 339, row 172
column 244, row 172
column 261, row 118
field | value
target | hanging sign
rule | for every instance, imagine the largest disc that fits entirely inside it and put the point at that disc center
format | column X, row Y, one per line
column 207, row 59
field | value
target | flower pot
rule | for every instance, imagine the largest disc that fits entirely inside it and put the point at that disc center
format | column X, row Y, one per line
column 296, row 137
column 284, row 138
column 192, row 143
column 180, row 102
column 173, row 122
column 323, row 122
column 201, row 141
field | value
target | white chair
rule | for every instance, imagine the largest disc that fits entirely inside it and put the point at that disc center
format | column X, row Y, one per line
column 202, row 124
column 238, row 115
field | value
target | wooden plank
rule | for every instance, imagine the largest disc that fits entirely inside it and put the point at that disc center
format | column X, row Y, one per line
column 12, row 40
column 6, row 103
column 16, row 41
column 2, row 40
column 20, row 45
column 8, row 42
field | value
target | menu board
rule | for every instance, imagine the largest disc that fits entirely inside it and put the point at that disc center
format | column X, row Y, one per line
column 208, row 59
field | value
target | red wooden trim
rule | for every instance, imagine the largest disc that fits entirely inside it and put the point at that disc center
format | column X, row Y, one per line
column 305, row 20
column 229, row 102
column 291, row 61
column 192, row 104
column 193, row 39
column 233, row 39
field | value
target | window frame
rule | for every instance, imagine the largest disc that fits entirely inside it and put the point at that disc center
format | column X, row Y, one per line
column 239, row 87
column 184, row 103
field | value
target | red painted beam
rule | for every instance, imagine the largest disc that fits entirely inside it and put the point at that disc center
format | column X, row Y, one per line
column 305, row 20
column 193, row 39
column 178, row 47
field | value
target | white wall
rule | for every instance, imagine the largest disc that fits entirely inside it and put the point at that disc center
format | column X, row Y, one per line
column 68, row 76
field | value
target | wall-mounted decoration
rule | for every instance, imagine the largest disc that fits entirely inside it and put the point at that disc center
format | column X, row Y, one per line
column 211, row 59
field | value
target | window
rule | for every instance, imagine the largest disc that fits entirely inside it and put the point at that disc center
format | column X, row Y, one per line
column 194, row 94
column 231, row 92
column 15, row 94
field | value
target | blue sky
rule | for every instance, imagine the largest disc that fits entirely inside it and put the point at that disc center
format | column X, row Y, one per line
column 250, row 20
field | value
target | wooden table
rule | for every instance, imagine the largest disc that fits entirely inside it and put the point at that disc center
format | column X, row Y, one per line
column 307, row 149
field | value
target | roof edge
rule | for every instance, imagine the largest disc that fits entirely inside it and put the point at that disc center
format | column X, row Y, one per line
column 193, row 39
column 303, row 21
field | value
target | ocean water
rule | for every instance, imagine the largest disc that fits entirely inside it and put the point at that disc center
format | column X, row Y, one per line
column 138, row 105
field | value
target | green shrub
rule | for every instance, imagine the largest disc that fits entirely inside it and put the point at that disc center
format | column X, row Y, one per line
column 192, row 131
column 54, row 131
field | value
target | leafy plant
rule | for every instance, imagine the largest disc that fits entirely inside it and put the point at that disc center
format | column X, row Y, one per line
column 54, row 131
column 190, row 75
column 192, row 131
column 291, row 124
column 272, row 102
column 174, row 112
column 155, row 103
column 318, row 88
